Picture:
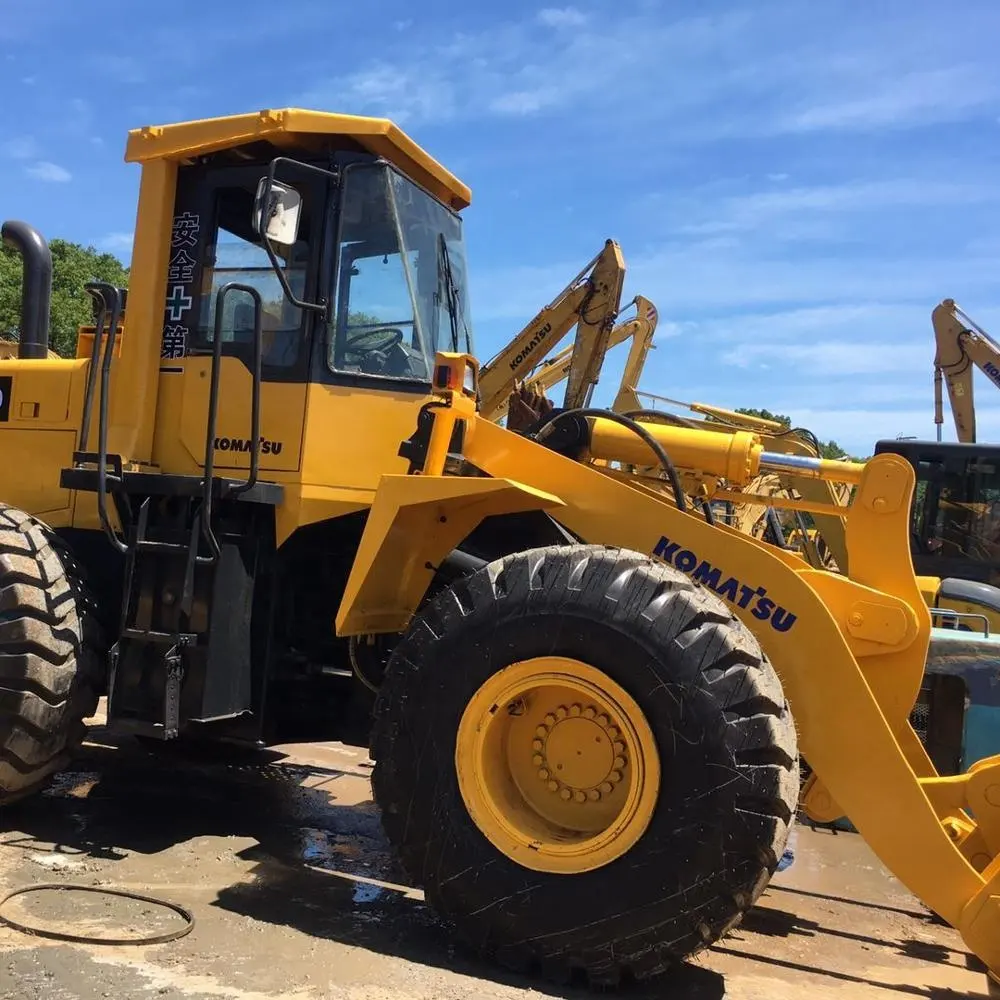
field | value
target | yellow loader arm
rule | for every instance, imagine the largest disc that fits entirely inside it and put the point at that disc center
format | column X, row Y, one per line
column 850, row 652
column 960, row 344
column 590, row 301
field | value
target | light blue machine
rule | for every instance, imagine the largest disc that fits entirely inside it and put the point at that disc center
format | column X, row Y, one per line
column 972, row 659
column 957, row 716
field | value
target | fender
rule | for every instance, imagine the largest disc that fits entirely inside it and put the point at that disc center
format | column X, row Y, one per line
column 414, row 522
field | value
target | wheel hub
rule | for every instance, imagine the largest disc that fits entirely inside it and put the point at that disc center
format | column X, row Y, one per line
column 557, row 765
column 578, row 753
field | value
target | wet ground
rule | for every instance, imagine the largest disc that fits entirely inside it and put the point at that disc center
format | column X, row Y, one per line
column 280, row 859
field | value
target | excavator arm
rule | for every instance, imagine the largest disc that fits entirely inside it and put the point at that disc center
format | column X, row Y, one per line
column 590, row 302
column 960, row 345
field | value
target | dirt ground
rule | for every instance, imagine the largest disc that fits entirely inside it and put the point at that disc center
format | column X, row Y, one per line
column 281, row 860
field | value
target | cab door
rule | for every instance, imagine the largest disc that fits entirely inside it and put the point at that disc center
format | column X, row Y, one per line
column 213, row 243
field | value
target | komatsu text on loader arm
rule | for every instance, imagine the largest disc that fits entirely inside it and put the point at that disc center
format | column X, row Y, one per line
column 591, row 700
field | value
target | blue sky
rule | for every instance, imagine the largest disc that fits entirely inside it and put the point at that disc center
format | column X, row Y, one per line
column 795, row 185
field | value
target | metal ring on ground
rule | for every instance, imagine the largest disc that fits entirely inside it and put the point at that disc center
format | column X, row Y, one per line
column 163, row 938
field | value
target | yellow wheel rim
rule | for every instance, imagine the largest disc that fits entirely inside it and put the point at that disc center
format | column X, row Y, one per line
column 557, row 765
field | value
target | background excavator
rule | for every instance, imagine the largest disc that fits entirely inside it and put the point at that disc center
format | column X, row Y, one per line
column 955, row 527
column 590, row 302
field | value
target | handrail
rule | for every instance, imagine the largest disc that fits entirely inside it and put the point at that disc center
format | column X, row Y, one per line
column 213, row 410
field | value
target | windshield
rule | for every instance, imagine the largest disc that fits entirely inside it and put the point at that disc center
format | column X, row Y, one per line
column 401, row 278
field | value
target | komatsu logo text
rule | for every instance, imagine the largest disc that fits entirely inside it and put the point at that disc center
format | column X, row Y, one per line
column 530, row 346
column 243, row 444
column 993, row 372
column 743, row 595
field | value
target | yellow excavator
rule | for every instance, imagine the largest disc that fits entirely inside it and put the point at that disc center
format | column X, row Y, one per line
column 639, row 329
column 590, row 302
column 961, row 343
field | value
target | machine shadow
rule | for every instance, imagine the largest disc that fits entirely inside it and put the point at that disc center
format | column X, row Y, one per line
column 767, row 921
column 320, row 862
column 390, row 921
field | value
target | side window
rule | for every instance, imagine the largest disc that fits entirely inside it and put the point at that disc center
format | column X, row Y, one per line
column 233, row 253
column 378, row 295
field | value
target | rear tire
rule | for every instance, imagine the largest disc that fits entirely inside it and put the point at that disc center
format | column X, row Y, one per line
column 723, row 735
column 50, row 666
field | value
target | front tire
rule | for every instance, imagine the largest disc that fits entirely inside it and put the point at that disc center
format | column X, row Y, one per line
column 672, row 660
column 49, row 654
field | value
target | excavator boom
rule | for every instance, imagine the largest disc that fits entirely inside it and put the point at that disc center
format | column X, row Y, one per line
column 960, row 344
column 590, row 302
column 640, row 329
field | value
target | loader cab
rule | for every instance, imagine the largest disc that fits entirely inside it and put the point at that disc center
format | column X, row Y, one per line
column 350, row 237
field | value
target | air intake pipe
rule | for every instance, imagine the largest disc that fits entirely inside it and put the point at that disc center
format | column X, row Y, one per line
column 36, row 286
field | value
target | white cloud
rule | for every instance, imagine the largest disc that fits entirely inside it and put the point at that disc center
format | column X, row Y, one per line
column 116, row 242
column 21, row 148
column 52, row 173
column 120, row 68
column 798, row 207
column 830, row 357
column 524, row 102
column 776, row 69
column 936, row 95
column 389, row 91
column 562, row 17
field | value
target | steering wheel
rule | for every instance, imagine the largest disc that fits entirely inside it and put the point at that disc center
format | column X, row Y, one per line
column 391, row 336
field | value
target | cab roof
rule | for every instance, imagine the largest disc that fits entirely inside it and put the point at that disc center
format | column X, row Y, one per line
column 289, row 127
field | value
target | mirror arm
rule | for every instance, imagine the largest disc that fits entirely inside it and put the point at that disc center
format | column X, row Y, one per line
column 322, row 306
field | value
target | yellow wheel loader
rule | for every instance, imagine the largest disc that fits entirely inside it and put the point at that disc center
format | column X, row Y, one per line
column 591, row 700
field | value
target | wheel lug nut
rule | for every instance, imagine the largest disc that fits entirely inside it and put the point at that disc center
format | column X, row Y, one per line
column 613, row 732
column 603, row 721
column 565, row 795
column 538, row 760
column 619, row 763
column 580, row 797
column 543, row 774
column 606, row 787
column 619, row 749
column 537, row 744
column 615, row 776
column 561, row 712
column 575, row 710
column 541, row 731
column 594, row 795
column 553, row 786
column 550, row 719
column 589, row 713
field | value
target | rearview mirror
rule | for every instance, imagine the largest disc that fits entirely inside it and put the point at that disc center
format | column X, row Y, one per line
column 278, row 220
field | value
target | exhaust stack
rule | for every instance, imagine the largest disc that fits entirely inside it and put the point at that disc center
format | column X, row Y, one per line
column 36, row 287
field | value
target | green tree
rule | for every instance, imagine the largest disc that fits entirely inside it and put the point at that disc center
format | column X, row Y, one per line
column 73, row 266
column 830, row 449
column 750, row 411
column 827, row 449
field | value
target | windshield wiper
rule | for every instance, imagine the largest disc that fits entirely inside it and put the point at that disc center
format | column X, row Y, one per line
column 454, row 302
